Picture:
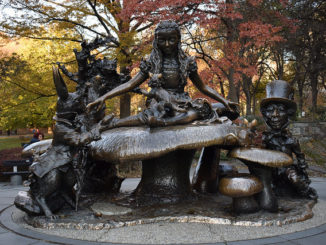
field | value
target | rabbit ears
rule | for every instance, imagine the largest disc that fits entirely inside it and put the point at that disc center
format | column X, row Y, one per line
column 60, row 84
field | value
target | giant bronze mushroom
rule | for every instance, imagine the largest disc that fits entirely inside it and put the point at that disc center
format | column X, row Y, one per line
column 260, row 163
column 166, row 155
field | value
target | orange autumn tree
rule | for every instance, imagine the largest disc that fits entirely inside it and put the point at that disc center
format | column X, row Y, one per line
column 233, row 37
column 241, row 36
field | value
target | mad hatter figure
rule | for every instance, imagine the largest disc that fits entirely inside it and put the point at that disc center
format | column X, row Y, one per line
column 277, row 108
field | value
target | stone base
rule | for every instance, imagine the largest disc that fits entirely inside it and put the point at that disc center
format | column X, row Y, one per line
column 206, row 209
column 108, row 209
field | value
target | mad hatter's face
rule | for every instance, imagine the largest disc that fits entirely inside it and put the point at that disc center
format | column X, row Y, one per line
column 276, row 115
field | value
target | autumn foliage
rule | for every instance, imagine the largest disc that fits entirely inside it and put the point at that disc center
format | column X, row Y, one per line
column 239, row 44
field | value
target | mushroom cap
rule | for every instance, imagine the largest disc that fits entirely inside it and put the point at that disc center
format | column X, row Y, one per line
column 139, row 143
column 36, row 148
column 240, row 185
column 269, row 158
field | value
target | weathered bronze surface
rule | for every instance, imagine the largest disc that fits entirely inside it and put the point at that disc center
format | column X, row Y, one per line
column 263, row 157
column 168, row 68
column 60, row 174
column 241, row 187
column 137, row 143
column 37, row 148
column 277, row 108
column 165, row 179
column 210, row 209
column 205, row 178
column 78, row 166
column 280, row 91
column 260, row 163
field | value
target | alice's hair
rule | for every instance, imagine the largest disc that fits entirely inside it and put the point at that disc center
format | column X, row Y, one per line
column 156, row 59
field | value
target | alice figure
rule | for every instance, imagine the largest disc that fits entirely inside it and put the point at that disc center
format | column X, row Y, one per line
column 168, row 68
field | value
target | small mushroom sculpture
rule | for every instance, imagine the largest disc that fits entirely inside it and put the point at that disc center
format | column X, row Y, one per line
column 226, row 169
column 242, row 188
column 260, row 163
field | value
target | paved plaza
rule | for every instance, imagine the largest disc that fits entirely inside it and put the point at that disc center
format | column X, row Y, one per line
column 10, row 233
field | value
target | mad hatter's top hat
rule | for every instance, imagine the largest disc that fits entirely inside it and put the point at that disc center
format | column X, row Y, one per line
column 279, row 91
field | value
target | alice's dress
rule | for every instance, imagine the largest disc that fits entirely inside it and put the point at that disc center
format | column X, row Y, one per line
column 175, row 100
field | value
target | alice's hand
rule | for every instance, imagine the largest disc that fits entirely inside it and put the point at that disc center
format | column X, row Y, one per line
column 234, row 107
column 98, row 104
column 231, row 106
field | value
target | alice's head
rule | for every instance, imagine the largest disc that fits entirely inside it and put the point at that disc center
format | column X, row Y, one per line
column 167, row 42
column 167, row 37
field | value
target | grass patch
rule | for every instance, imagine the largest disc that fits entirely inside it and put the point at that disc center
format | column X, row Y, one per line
column 10, row 142
column 16, row 141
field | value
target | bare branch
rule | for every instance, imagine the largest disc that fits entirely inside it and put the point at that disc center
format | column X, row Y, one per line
column 101, row 21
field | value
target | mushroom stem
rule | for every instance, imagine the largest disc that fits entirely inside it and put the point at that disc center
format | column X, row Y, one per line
column 165, row 179
column 245, row 204
column 266, row 198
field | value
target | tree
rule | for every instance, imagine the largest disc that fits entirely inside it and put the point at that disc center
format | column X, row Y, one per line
column 234, row 38
column 12, row 69
column 27, row 94
column 308, row 45
column 124, row 21
column 231, row 36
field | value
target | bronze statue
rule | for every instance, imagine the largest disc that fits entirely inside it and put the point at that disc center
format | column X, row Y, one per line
column 53, row 174
column 277, row 108
column 59, row 175
column 168, row 104
column 77, row 159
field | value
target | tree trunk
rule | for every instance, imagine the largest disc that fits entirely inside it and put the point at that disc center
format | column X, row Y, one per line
column 248, row 106
column 314, row 92
column 279, row 59
column 232, row 96
column 231, row 37
column 300, row 91
column 222, row 89
column 125, row 100
column 254, row 104
column 125, row 105
column 238, row 89
column 246, row 89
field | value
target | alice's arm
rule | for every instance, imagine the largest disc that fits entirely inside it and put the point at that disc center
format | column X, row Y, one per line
column 196, row 80
column 122, row 89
